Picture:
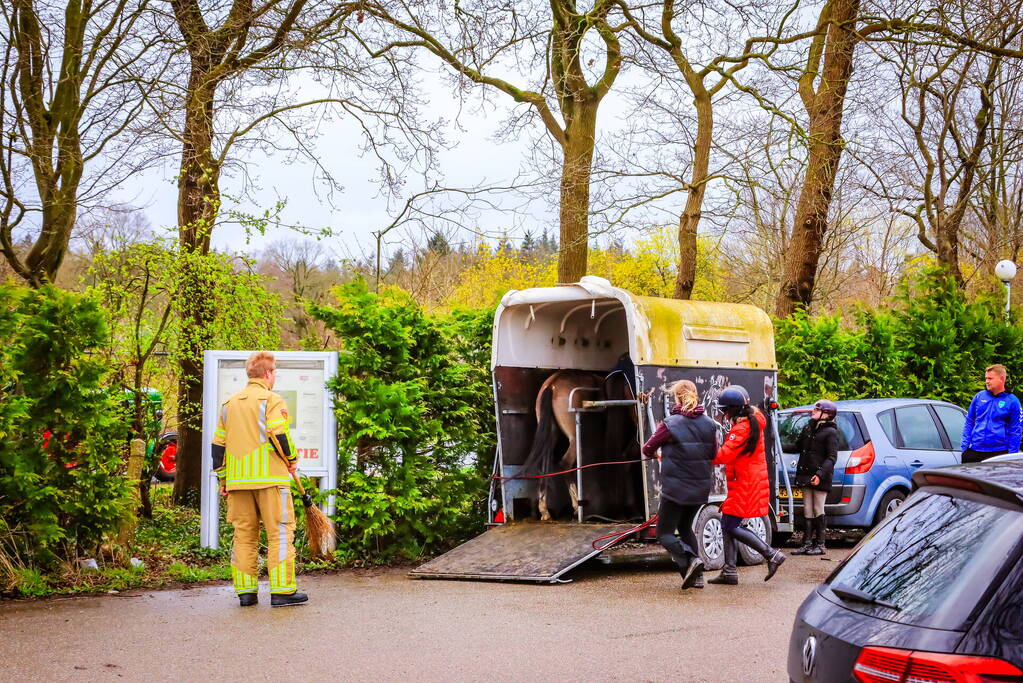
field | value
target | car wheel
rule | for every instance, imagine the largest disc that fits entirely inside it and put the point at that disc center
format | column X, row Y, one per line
column 761, row 526
column 707, row 529
column 888, row 505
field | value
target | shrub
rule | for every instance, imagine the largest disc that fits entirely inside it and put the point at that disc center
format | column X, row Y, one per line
column 414, row 415
column 61, row 487
column 933, row 343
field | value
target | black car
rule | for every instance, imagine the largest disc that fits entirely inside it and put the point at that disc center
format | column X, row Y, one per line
column 935, row 593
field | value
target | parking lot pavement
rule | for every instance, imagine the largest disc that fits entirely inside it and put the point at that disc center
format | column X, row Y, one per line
column 609, row 624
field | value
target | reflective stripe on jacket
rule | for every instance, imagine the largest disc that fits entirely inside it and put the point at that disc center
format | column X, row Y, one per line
column 243, row 424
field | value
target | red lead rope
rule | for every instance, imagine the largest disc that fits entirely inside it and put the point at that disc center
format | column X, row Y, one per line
column 619, row 535
column 574, row 469
column 615, row 536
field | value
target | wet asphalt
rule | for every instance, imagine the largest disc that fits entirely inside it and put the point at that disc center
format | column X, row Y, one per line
column 611, row 623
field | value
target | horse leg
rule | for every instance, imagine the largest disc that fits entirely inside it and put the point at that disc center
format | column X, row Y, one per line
column 545, row 514
column 568, row 462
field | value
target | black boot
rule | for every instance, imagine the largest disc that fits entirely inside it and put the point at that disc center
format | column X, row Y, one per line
column 774, row 558
column 820, row 524
column 288, row 599
column 248, row 599
column 689, row 566
column 693, row 572
column 809, row 527
column 729, row 575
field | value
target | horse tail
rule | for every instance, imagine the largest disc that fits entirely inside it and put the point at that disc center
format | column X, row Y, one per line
column 541, row 454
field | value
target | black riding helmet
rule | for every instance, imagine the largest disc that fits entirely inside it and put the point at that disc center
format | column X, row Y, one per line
column 732, row 400
column 827, row 407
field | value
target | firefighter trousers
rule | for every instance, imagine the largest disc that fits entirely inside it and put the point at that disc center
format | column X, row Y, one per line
column 245, row 510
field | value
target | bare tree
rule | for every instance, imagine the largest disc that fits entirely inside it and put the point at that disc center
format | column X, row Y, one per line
column 303, row 269
column 822, row 87
column 249, row 69
column 707, row 49
column 841, row 27
column 946, row 115
column 480, row 38
column 998, row 208
column 74, row 78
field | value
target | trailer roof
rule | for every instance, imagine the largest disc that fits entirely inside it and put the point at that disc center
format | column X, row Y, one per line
column 661, row 332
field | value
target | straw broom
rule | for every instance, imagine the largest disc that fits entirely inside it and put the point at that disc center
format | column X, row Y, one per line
column 319, row 528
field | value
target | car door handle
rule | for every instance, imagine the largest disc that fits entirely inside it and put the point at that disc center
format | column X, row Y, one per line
column 916, row 463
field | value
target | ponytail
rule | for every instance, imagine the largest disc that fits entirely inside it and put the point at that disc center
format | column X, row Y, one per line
column 749, row 412
column 685, row 394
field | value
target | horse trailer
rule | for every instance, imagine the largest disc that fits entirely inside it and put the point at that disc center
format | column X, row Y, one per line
column 600, row 492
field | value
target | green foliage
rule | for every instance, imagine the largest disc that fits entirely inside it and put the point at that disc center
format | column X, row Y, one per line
column 61, row 488
column 413, row 406
column 933, row 343
column 30, row 583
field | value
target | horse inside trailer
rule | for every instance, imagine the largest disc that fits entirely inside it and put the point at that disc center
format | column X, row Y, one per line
column 569, row 365
column 579, row 351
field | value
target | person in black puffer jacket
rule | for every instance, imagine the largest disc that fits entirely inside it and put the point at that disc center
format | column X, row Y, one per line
column 818, row 450
column 688, row 442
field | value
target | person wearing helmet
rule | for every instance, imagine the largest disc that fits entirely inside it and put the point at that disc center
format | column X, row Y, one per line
column 818, row 450
column 745, row 461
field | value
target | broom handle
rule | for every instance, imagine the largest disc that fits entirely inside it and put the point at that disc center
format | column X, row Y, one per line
column 280, row 452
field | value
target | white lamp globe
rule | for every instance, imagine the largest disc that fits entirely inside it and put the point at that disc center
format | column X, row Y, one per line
column 1005, row 270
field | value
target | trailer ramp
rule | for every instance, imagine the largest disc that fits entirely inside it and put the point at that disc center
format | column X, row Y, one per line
column 521, row 551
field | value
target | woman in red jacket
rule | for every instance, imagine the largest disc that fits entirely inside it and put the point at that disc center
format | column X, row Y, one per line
column 745, row 463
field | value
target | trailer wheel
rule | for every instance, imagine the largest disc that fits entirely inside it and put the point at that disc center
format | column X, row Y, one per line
column 707, row 529
column 761, row 526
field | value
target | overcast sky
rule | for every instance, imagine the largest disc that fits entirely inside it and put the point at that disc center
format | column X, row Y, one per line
column 361, row 209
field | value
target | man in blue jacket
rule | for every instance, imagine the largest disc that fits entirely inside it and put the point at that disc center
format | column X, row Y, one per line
column 993, row 423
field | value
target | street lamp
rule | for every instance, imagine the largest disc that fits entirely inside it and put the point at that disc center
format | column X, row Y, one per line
column 1005, row 271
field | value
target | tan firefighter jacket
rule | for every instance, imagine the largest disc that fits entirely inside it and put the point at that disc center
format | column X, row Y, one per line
column 243, row 424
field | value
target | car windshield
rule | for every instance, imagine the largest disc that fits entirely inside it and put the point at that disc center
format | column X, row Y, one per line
column 933, row 560
column 791, row 423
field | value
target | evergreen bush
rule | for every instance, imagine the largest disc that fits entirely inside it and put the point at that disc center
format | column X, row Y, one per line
column 932, row 343
column 62, row 490
column 413, row 405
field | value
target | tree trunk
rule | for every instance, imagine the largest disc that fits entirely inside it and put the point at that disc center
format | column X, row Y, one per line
column 576, row 169
column 825, row 109
column 198, row 205
column 689, row 221
column 950, row 223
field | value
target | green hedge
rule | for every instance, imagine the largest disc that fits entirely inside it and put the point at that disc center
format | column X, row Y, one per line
column 415, row 423
column 61, row 487
column 932, row 342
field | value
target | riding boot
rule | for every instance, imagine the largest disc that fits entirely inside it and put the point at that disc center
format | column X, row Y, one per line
column 820, row 528
column 747, row 537
column 809, row 527
column 774, row 557
column 729, row 575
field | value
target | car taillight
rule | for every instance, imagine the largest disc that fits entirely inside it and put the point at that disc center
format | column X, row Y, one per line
column 889, row 665
column 861, row 460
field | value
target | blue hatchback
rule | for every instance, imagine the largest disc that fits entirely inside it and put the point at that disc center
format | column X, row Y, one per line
column 882, row 442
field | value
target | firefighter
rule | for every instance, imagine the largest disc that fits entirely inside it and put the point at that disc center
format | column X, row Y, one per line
column 257, row 484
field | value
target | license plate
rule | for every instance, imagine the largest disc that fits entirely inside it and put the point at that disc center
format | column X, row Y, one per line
column 797, row 494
